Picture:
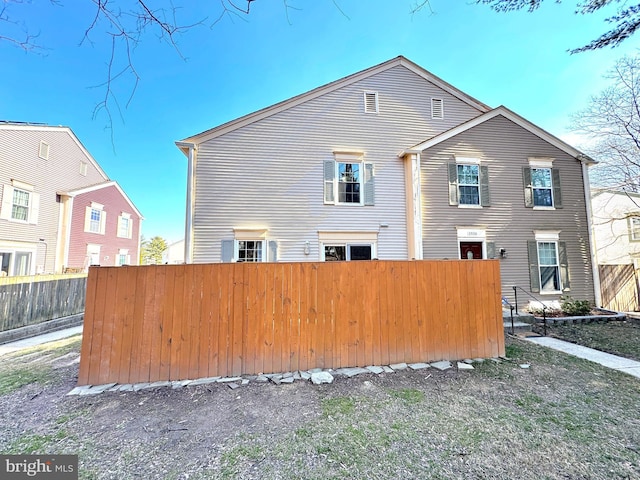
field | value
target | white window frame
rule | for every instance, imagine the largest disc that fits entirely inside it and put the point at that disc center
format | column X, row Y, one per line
column 127, row 234
column 347, row 239
column 258, row 241
column 634, row 230
column 15, row 205
column 549, row 237
column 123, row 257
column 361, row 173
column 468, row 162
column 542, row 164
column 8, row 202
column 89, row 222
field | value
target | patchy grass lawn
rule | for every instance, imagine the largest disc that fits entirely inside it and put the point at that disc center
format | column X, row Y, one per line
column 562, row 418
column 617, row 337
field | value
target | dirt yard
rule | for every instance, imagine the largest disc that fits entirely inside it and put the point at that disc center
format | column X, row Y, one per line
column 559, row 418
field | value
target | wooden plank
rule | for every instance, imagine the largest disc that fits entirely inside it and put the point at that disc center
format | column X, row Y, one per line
column 237, row 318
column 251, row 328
column 128, row 298
column 193, row 332
column 204, row 323
column 213, row 338
column 166, row 322
column 149, row 322
column 224, row 339
column 87, row 354
column 291, row 363
column 108, row 327
column 155, row 330
column 118, row 370
column 394, row 297
column 383, row 317
column 177, row 315
column 304, row 327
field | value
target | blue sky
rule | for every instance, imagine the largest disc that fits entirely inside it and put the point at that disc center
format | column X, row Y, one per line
column 243, row 64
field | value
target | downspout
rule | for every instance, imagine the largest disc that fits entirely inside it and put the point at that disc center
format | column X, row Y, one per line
column 188, row 227
column 592, row 245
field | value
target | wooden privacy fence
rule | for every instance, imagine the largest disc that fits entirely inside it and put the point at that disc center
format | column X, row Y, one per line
column 619, row 287
column 175, row 322
column 31, row 300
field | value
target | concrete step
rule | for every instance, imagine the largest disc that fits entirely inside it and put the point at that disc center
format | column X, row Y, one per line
column 518, row 327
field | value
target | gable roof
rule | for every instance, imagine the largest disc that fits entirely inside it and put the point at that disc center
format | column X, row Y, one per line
column 99, row 186
column 515, row 118
column 8, row 125
column 317, row 92
column 599, row 191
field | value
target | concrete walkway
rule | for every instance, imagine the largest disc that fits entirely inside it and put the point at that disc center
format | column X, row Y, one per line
column 611, row 361
column 39, row 339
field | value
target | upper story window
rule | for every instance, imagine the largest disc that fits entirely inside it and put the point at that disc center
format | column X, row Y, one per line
column 542, row 184
column 124, row 225
column 542, row 187
column 468, row 183
column 20, row 207
column 634, row 229
column 370, row 102
column 348, row 180
column 95, row 219
column 19, row 203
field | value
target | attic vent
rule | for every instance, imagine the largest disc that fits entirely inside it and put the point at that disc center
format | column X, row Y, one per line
column 437, row 108
column 44, row 151
column 370, row 102
column 83, row 169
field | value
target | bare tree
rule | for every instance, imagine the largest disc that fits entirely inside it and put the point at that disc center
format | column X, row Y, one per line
column 626, row 19
column 611, row 123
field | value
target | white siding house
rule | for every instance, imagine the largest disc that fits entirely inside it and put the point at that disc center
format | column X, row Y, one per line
column 391, row 163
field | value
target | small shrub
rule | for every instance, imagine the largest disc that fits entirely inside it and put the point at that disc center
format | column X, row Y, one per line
column 574, row 307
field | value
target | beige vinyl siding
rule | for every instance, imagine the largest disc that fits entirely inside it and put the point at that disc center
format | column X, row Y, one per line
column 270, row 173
column 19, row 160
column 505, row 148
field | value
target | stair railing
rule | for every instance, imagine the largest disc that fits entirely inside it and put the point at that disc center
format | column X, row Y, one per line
column 544, row 307
column 505, row 301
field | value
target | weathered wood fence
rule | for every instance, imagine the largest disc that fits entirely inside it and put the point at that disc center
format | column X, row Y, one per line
column 35, row 299
column 174, row 322
column 619, row 287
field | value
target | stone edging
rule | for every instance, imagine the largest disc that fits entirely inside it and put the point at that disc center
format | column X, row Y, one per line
column 315, row 375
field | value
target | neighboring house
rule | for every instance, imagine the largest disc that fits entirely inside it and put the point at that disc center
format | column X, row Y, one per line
column 616, row 225
column 58, row 209
column 392, row 163
column 174, row 254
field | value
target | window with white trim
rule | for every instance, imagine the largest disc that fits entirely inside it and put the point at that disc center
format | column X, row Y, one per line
column 548, row 263
column 348, row 252
column 249, row 250
column 542, row 187
column 468, row 183
column 634, row 229
column 20, row 206
column 15, row 263
column 542, row 184
column 549, row 267
column 123, row 257
column 95, row 219
column 347, row 246
column 124, row 225
column 349, row 180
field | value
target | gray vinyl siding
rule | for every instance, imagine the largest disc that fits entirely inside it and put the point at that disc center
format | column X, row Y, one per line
column 19, row 161
column 270, row 173
column 504, row 148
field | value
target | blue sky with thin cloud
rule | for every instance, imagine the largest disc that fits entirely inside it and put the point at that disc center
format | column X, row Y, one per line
column 242, row 63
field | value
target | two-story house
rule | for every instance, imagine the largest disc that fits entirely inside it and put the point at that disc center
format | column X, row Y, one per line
column 59, row 211
column 616, row 225
column 392, row 163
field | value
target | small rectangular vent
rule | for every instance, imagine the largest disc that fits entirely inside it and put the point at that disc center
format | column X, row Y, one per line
column 437, row 108
column 43, row 152
column 83, row 169
column 370, row 102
